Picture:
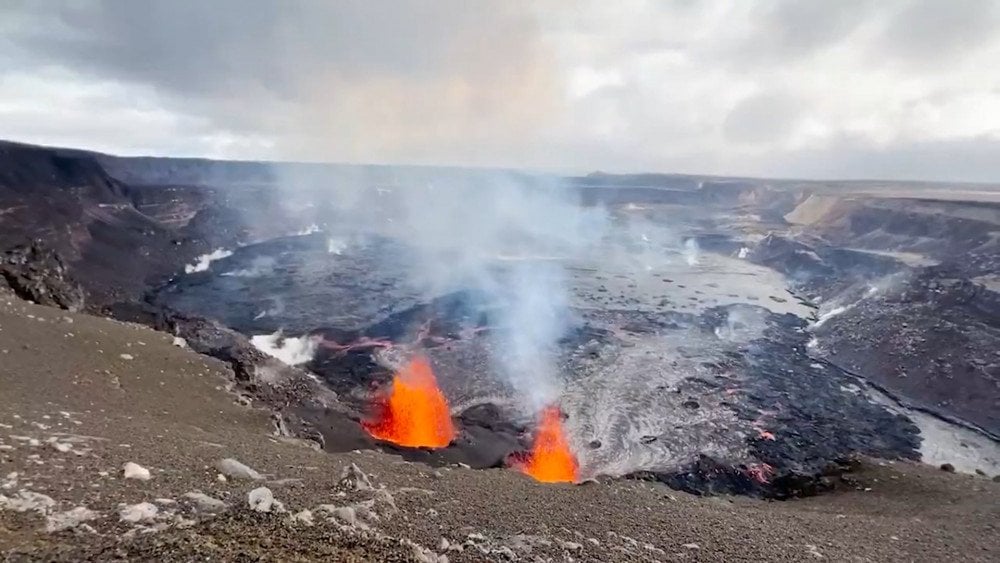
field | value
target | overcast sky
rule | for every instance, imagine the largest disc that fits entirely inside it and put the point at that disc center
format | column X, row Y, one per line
column 827, row 88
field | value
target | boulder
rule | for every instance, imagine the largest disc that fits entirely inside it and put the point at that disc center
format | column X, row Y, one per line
column 37, row 273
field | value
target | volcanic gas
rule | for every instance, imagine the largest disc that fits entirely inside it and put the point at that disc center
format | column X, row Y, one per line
column 551, row 460
column 413, row 412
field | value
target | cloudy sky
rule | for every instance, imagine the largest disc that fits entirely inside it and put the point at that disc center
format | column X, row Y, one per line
column 824, row 88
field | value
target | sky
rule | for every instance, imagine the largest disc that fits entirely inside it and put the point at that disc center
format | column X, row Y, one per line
column 893, row 89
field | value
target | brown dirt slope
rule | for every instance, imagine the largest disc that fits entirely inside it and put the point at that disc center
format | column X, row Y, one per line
column 81, row 396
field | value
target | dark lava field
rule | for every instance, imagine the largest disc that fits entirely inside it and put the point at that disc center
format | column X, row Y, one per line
column 718, row 335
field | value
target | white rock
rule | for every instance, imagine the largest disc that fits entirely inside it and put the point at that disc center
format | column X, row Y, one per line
column 61, row 447
column 10, row 481
column 304, row 516
column 180, row 342
column 691, row 546
column 135, row 471
column 221, row 478
column 205, row 503
column 424, row 555
column 126, row 356
column 570, row 545
column 353, row 478
column 68, row 520
column 236, row 470
column 346, row 514
column 23, row 501
column 261, row 499
column 134, row 513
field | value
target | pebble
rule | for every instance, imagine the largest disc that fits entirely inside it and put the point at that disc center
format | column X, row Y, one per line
column 68, row 520
column 304, row 516
column 204, row 502
column 232, row 468
column 133, row 470
column 262, row 500
column 138, row 512
column 352, row 477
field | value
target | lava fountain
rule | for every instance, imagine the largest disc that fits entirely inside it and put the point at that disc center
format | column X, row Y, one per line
column 414, row 412
column 551, row 460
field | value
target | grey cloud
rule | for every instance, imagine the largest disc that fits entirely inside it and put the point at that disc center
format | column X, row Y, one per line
column 929, row 31
column 795, row 28
column 199, row 47
column 700, row 86
column 286, row 67
column 762, row 118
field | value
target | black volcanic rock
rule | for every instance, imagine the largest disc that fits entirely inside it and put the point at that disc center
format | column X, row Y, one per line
column 39, row 274
column 789, row 257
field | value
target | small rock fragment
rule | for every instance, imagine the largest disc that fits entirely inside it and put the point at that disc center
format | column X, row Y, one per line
column 24, row 501
column 135, row 513
column 60, row 447
column 205, row 503
column 232, row 468
column 352, row 477
column 814, row 551
column 261, row 499
column 570, row 545
column 345, row 514
column 691, row 546
column 303, row 516
column 135, row 471
column 68, row 520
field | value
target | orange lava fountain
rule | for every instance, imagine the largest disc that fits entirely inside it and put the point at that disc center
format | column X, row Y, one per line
column 414, row 413
column 551, row 460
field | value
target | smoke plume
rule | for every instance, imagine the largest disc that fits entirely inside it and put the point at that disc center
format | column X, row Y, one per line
column 502, row 238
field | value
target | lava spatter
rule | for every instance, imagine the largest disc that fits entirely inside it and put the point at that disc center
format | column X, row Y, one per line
column 413, row 412
column 551, row 459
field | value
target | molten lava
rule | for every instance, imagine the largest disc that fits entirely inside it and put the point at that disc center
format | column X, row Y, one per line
column 551, row 460
column 414, row 413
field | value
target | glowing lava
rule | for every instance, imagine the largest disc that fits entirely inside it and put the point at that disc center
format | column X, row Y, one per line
column 414, row 413
column 551, row 460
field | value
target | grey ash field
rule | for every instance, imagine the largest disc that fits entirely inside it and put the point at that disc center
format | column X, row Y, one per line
column 84, row 396
column 724, row 343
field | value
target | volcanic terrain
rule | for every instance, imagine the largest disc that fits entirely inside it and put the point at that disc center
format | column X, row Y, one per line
column 651, row 337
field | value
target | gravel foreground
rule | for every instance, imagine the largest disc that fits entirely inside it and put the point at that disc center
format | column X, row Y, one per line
column 117, row 443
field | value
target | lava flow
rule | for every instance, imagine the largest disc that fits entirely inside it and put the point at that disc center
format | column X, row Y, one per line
column 551, row 460
column 414, row 413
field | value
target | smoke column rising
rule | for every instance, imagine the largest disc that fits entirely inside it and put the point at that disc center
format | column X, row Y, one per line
column 506, row 236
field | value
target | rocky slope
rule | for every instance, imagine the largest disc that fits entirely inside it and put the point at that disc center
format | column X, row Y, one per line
column 112, row 442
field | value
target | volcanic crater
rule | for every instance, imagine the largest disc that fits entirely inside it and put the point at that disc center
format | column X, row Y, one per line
column 720, row 336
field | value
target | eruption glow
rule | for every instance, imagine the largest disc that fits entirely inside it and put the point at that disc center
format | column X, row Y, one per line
column 551, row 460
column 414, row 413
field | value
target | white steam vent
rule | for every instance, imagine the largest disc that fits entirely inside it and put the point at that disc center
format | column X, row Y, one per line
column 691, row 252
column 292, row 351
column 205, row 260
